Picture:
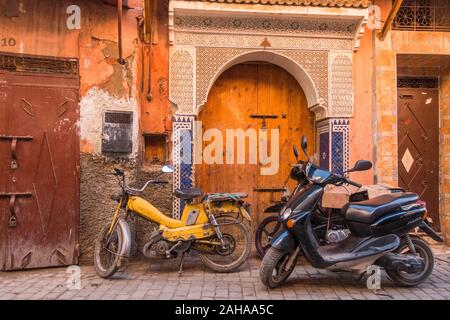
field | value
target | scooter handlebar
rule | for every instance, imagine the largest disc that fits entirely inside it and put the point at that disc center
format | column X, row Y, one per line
column 353, row 183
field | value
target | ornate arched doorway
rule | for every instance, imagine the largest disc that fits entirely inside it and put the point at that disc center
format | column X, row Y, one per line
column 316, row 48
column 248, row 103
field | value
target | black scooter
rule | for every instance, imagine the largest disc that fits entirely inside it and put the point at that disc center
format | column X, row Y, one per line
column 328, row 224
column 379, row 233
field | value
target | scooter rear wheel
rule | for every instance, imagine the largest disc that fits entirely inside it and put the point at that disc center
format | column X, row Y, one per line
column 412, row 279
column 272, row 272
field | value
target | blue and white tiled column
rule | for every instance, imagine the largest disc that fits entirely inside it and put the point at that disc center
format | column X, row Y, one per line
column 183, row 175
column 333, row 141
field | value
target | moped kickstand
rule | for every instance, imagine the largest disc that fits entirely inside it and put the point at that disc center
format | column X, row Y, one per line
column 180, row 271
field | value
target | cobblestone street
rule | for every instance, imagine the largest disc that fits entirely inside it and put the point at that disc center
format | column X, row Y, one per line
column 159, row 279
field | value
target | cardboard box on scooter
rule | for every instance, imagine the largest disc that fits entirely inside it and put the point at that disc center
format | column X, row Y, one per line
column 375, row 190
column 337, row 196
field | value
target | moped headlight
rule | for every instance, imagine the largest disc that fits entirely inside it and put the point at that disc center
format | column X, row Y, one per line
column 116, row 196
column 286, row 213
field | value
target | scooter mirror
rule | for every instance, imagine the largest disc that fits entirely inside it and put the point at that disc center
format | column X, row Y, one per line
column 361, row 165
column 304, row 145
column 294, row 149
column 167, row 169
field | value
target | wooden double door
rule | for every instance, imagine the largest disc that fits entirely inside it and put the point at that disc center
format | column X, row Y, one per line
column 260, row 97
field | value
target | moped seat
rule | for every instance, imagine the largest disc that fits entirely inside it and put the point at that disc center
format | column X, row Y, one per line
column 226, row 196
column 368, row 211
column 188, row 194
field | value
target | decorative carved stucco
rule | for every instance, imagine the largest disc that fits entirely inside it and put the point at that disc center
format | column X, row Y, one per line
column 254, row 41
column 182, row 80
column 266, row 25
column 318, row 50
column 203, row 45
column 210, row 61
column 315, row 63
column 341, row 85
column 325, row 3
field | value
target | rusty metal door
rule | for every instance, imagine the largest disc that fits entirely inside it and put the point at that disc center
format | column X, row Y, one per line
column 39, row 163
column 418, row 147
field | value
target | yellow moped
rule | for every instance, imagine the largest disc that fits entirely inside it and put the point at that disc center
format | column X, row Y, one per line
column 217, row 227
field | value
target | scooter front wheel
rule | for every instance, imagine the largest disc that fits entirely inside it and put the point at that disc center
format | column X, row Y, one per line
column 273, row 272
column 412, row 279
column 237, row 238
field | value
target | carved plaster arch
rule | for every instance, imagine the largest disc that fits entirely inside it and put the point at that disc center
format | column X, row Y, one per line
column 283, row 61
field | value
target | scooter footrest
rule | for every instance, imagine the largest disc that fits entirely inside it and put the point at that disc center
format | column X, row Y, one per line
column 354, row 248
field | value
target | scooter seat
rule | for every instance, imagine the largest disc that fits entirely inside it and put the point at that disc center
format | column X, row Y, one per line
column 188, row 194
column 368, row 211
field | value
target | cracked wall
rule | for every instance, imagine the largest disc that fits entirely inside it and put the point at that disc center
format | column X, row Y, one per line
column 39, row 28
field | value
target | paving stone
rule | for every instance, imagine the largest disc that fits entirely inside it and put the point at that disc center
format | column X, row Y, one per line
column 160, row 280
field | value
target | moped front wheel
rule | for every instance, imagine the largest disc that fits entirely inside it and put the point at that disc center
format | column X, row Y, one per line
column 107, row 251
column 273, row 271
column 237, row 239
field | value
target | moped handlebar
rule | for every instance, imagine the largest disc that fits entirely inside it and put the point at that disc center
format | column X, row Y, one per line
column 146, row 184
column 118, row 172
column 160, row 181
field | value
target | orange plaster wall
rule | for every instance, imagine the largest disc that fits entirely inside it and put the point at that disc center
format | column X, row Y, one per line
column 155, row 113
column 361, row 135
column 41, row 29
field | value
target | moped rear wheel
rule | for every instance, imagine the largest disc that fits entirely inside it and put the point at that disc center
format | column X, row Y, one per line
column 268, row 227
column 107, row 254
column 412, row 279
column 237, row 238
column 272, row 270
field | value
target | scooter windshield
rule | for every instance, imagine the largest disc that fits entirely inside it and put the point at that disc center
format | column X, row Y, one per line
column 316, row 174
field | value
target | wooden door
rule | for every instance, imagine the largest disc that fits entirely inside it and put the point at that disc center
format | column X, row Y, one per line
column 240, row 99
column 39, row 153
column 418, row 145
